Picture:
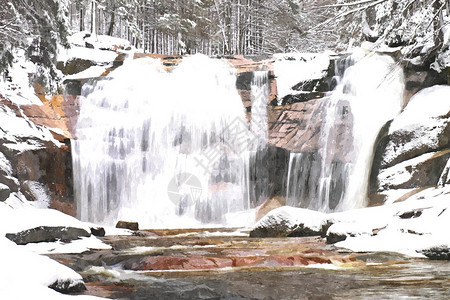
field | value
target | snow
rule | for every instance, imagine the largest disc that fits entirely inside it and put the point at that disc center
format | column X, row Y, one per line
column 26, row 275
column 379, row 228
column 5, row 165
column 290, row 217
column 96, row 55
column 423, row 121
column 424, row 108
column 402, row 172
column 94, row 71
column 18, row 89
column 406, row 236
column 292, row 68
column 14, row 128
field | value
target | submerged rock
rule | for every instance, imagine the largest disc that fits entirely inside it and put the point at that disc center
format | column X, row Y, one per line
column 47, row 234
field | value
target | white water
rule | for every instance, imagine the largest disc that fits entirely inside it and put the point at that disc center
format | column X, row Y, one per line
column 369, row 94
column 142, row 129
column 260, row 94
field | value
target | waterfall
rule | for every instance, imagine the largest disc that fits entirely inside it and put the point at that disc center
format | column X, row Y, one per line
column 260, row 94
column 335, row 177
column 167, row 149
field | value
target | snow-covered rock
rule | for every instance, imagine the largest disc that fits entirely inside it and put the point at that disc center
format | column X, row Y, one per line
column 415, row 152
column 290, row 221
column 422, row 127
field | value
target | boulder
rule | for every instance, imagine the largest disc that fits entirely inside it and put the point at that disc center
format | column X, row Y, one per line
column 4, row 192
column 128, row 225
column 292, row 222
column 74, row 66
column 437, row 253
column 68, row 286
column 47, row 234
column 414, row 150
column 98, row 231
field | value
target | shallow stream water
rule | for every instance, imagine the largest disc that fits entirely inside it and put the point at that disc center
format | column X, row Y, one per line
column 226, row 264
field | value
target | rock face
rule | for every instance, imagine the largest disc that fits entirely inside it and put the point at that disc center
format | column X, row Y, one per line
column 415, row 152
column 34, row 161
column 47, row 234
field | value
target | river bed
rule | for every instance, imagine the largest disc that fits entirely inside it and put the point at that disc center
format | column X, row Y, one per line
column 227, row 264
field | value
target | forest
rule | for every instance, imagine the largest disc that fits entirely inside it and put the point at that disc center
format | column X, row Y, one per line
column 218, row 27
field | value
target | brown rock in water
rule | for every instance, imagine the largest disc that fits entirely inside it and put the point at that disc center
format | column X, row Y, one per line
column 128, row 225
column 178, row 263
column 269, row 205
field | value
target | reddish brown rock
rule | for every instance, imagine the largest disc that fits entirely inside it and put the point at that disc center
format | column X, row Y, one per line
column 248, row 261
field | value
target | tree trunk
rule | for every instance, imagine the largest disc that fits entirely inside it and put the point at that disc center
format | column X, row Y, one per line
column 112, row 21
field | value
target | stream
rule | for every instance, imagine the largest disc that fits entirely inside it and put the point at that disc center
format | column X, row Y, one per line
column 227, row 264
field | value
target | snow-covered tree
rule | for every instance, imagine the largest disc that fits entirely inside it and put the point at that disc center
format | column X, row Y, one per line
column 37, row 27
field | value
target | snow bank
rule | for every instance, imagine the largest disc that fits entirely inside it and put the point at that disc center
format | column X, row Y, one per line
column 407, row 227
column 292, row 68
column 419, row 128
column 17, row 89
column 26, row 275
column 20, row 131
column 424, row 108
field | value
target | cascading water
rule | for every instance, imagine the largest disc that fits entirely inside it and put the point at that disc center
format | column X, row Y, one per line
column 259, row 171
column 335, row 177
column 260, row 94
column 165, row 149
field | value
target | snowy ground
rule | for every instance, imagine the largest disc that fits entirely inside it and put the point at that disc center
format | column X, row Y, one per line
column 25, row 273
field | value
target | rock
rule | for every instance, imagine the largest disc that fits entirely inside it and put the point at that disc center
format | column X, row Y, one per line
column 68, row 286
column 413, row 152
column 411, row 214
column 297, row 127
column 437, row 253
column 74, row 66
column 98, row 231
column 177, row 263
column 333, row 238
column 47, row 234
column 128, row 225
column 4, row 192
column 422, row 171
column 291, row 222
